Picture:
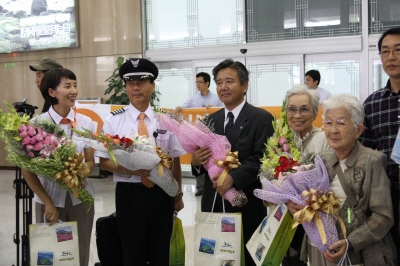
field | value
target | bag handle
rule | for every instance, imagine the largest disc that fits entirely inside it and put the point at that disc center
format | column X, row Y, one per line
column 223, row 204
column 349, row 194
column 45, row 223
column 345, row 260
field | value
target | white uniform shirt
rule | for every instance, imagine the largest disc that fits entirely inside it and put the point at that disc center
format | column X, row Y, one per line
column 323, row 94
column 198, row 100
column 56, row 193
column 125, row 123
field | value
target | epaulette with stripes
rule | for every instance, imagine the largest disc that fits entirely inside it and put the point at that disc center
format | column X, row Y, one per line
column 118, row 111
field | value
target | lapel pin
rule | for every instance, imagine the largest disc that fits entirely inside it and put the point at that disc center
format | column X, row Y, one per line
column 241, row 127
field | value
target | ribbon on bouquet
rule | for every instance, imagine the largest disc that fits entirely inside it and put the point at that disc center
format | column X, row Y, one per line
column 73, row 169
column 231, row 161
column 166, row 161
column 319, row 201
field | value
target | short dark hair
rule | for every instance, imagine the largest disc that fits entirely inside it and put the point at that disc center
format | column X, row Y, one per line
column 314, row 74
column 243, row 74
column 205, row 76
column 52, row 79
column 392, row 31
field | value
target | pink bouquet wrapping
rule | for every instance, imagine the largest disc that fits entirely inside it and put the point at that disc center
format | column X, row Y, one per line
column 310, row 189
column 192, row 136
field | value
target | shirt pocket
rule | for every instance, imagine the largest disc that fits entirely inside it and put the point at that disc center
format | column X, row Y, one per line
column 162, row 140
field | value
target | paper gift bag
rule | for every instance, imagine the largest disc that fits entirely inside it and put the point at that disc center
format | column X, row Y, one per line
column 55, row 244
column 218, row 239
column 177, row 248
column 271, row 240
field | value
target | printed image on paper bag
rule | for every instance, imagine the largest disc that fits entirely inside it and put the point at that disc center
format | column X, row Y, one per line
column 272, row 238
column 228, row 225
column 45, row 258
column 227, row 263
column 64, row 233
column 207, row 246
column 54, row 245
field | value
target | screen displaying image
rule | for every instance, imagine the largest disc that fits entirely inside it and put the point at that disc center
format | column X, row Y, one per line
column 29, row 25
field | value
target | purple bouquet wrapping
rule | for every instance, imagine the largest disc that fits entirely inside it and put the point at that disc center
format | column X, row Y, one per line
column 192, row 136
column 310, row 189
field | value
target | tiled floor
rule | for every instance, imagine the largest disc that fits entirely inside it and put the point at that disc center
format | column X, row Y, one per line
column 104, row 205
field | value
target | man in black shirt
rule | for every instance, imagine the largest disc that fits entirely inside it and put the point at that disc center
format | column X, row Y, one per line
column 45, row 64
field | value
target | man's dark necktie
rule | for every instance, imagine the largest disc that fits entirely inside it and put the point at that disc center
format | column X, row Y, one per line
column 229, row 125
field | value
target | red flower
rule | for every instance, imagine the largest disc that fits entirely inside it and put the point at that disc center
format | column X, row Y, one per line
column 285, row 165
column 127, row 142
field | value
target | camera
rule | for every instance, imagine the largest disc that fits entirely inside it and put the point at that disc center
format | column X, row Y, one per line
column 243, row 51
column 24, row 108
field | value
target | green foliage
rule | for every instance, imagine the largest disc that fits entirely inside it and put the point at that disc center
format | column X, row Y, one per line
column 117, row 89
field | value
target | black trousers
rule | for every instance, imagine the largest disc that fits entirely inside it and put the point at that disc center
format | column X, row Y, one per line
column 145, row 220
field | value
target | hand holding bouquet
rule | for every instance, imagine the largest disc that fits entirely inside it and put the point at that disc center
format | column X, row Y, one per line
column 42, row 148
column 199, row 135
column 134, row 153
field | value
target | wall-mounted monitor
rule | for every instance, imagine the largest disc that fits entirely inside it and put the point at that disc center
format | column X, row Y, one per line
column 29, row 25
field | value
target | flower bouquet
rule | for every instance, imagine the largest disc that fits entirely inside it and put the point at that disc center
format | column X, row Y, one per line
column 199, row 134
column 42, row 148
column 134, row 153
column 287, row 175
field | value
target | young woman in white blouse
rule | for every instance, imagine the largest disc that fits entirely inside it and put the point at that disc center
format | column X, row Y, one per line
column 59, row 87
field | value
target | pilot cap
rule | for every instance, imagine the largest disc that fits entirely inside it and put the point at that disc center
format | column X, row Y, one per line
column 138, row 69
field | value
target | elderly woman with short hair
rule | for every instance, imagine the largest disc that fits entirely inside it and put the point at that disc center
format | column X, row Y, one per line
column 301, row 111
column 364, row 179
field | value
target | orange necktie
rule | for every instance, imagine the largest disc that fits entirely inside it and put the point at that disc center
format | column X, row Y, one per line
column 66, row 121
column 142, row 131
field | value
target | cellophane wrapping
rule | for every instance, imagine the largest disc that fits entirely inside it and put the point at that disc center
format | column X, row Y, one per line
column 292, row 188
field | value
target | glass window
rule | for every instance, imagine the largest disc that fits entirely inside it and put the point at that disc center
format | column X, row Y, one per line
column 383, row 15
column 190, row 23
column 269, row 82
column 380, row 77
column 338, row 76
column 271, row 20
column 175, row 86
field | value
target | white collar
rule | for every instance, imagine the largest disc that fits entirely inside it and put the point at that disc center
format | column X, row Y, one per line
column 135, row 112
column 57, row 118
column 235, row 111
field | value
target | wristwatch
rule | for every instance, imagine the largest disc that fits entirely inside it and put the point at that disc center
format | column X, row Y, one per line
column 180, row 194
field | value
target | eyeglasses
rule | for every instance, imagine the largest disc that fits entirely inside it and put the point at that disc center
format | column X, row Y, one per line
column 199, row 82
column 292, row 110
column 385, row 53
column 340, row 124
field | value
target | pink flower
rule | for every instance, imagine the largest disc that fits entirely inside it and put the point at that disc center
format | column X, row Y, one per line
column 29, row 147
column 22, row 128
column 32, row 141
column 23, row 134
column 26, row 140
column 30, row 154
column 54, row 142
column 286, row 147
column 31, row 131
column 38, row 146
column 44, row 134
column 47, row 140
column 282, row 140
column 39, row 137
